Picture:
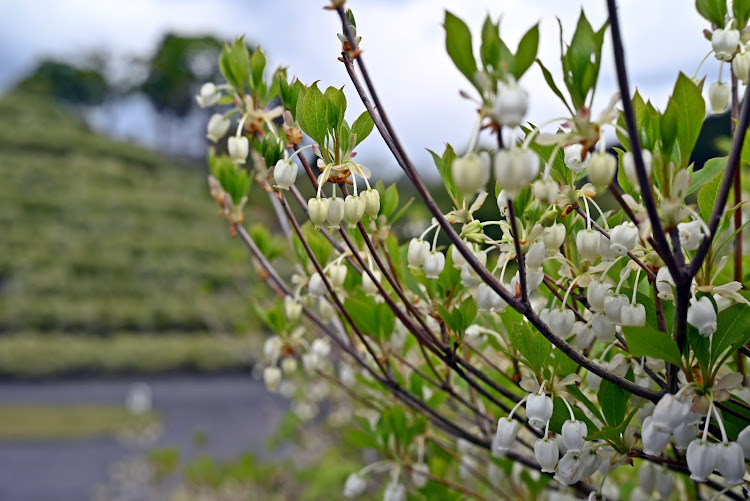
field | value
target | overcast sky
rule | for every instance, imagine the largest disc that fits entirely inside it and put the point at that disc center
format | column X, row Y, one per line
column 403, row 42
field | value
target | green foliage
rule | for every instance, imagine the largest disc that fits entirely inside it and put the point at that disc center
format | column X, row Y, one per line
column 733, row 331
column 458, row 44
column 370, row 317
column 361, row 128
column 714, row 11
column 613, row 401
column 682, row 120
column 66, row 82
column 741, row 11
column 708, row 173
column 532, row 345
column 707, row 198
column 232, row 177
column 647, row 342
column 582, row 60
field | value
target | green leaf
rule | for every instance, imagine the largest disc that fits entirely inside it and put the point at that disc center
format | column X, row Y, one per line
column 560, row 414
column 527, row 50
column 614, row 403
column 239, row 62
column 708, row 173
column 458, row 44
column 582, row 60
column 707, row 198
column 715, row 11
column 741, row 11
column 364, row 312
column 335, row 106
column 388, row 199
column 489, row 52
column 732, row 331
column 552, row 85
column 257, row 65
column 313, row 114
column 532, row 345
column 685, row 113
column 647, row 342
column 362, row 127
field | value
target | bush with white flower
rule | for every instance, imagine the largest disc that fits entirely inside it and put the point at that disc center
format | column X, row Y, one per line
column 572, row 325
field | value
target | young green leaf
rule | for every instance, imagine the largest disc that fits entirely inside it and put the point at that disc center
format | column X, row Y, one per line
column 313, row 114
column 708, row 173
column 458, row 44
column 684, row 113
column 614, row 403
column 647, row 342
column 532, row 345
column 714, row 11
column 741, row 11
column 362, row 127
column 489, row 52
column 707, row 197
column 335, row 107
column 257, row 65
column 527, row 50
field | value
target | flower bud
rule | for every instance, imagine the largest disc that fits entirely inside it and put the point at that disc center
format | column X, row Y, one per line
column 587, row 242
column 546, row 453
column 670, row 412
column 554, row 236
column 604, row 329
column 418, row 252
column 271, row 377
column 337, row 275
column 218, row 125
column 664, row 482
column 535, row 256
column 718, row 96
column 209, row 95
column 725, row 43
column 354, row 486
column 623, row 238
column 317, row 208
column 505, row 435
column 434, row 264
column 702, row 316
column 238, row 147
column 368, row 285
column 730, row 462
column 596, row 292
column 471, row 172
column 654, row 441
column 354, row 209
column 633, row 315
column 394, row 491
column 539, row 410
column 691, row 234
column 511, row 105
column 285, row 174
column 574, row 158
column 419, row 473
column 570, row 468
column 325, row 309
column 515, row 169
column 701, row 459
column 545, row 190
column 316, row 286
column 292, row 308
column 741, row 66
column 665, row 284
column 574, row 433
column 628, row 164
column 613, row 307
column 602, row 167
column 335, row 212
column 372, row 202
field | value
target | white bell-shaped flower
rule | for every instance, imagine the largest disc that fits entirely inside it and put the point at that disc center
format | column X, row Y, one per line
column 354, row 486
column 741, row 66
column 208, row 96
column 606, row 251
column 604, row 330
column 489, row 300
column 316, row 286
column 502, row 203
column 354, row 209
column 321, row 347
column 545, row 190
column 573, row 158
column 725, row 43
column 272, row 377
column 217, row 127
column 613, row 307
column 369, row 286
column 238, row 148
column 623, row 238
column 647, row 477
column 590, row 462
column 593, row 381
column 434, row 264
column 664, row 482
column 554, row 236
column 469, row 277
column 702, row 315
column 561, row 322
column 574, row 433
column 584, row 335
column 633, row 315
column 285, row 174
column 317, row 208
column 539, row 410
column 419, row 472
column 602, row 167
column 372, row 202
column 570, row 468
column 718, row 96
column 417, row 252
column 537, row 253
column 744, row 440
column 546, row 453
column 335, row 212
column 596, row 292
column 670, row 412
column 471, row 172
column 515, row 168
column 665, row 284
column 511, row 104
column 394, row 491
column 587, row 242
column 730, row 461
column 505, row 435
column 272, row 348
column 691, row 234
column 701, row 459
column 337, row 275
column 292, row 308
column 684, row 434
column 654, row 441
column 628, row 165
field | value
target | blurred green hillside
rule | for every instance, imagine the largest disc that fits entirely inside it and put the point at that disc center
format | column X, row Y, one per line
column 105, row 239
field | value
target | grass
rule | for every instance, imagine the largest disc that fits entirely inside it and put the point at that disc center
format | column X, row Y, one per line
column 68, row 422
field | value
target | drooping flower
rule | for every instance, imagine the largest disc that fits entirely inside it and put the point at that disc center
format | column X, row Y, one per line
column 285, row 174
column 417, row 252
column 602, row 167
column 354, row 486
column 725, row 43
column 505, row 435
column 208, row 96
column 539, row 410
column 574, row 158
column 730, row 461
column 718, row 96
column 434, row 264
column 702, row 315
column 691, row 234
column 515, row 168
column 628, row 164
column 317, row 208
column 623, row 238
column 546, row 452
column 238, row 147
column 574, row 435
column 218, row 125
column 587, row 242
column 471, row 172
column 511, row 104
column 701, row 459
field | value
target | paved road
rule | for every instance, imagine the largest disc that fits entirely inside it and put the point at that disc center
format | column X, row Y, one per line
column 236, row 413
